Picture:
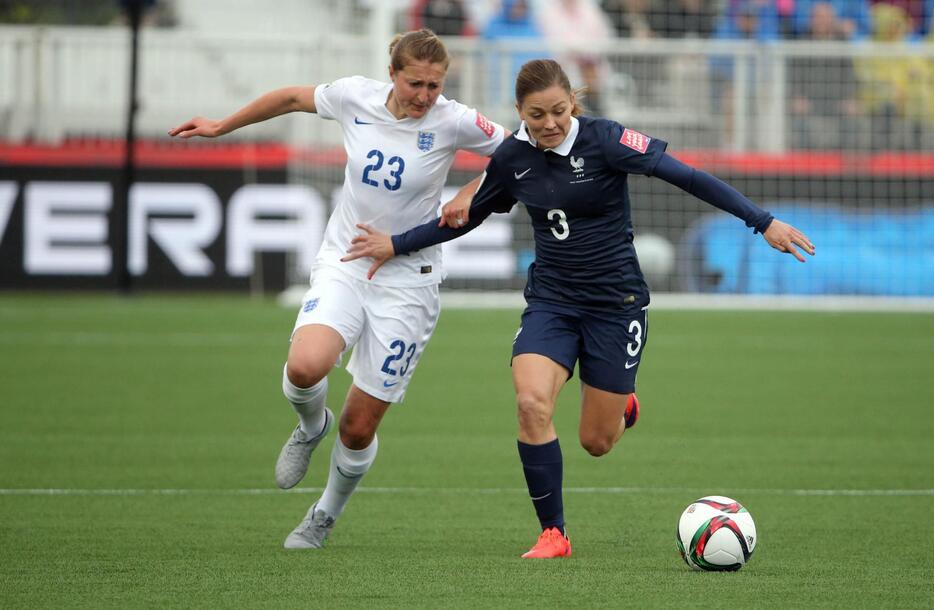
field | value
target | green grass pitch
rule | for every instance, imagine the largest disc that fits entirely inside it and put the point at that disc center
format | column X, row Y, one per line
column 820, row 423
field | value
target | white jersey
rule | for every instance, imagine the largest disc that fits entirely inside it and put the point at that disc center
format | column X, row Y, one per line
column 395, row 171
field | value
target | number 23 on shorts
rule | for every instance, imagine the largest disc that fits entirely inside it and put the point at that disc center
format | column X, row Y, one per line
column 399, row 359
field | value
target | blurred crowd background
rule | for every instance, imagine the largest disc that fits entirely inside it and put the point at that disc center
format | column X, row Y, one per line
column 820, row 109
column 832, row 97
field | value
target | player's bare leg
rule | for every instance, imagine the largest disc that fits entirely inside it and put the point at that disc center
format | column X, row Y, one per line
column 604, row 418
column 314, row 350
column 353, row 454
column 538, row 380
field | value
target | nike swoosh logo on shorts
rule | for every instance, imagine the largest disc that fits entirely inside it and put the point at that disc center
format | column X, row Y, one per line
column 542, row 497
column 629, row 365
column 518, row 175
column 386, row 384
column 359, row 122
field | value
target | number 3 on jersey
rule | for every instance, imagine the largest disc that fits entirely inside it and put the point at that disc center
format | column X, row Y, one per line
column 560, row 230
column 395, row 174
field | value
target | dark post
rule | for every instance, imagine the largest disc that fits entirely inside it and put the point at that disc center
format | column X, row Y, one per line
column 134, row 13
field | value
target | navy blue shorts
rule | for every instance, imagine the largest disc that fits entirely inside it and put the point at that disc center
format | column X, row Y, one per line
column 608, row 344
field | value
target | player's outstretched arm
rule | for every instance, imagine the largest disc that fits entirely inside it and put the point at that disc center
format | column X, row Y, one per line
column 267, row 106
column 784, row 237
column 372, row 244
column 781, row 236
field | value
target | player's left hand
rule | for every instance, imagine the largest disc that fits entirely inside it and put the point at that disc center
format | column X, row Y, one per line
column 456, row 212
column 373, row 244
column 784, row 237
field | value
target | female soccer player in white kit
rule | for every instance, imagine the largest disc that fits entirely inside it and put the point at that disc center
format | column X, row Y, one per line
column 400, row 139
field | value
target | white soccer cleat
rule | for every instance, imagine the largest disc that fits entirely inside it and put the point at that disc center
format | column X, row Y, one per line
column 312, row 531
column 296, row 453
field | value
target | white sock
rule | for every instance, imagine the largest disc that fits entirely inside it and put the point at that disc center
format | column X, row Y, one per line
column 307, row 402
column 347, row 468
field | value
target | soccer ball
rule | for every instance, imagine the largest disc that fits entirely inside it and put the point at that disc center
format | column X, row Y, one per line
column 716, row 533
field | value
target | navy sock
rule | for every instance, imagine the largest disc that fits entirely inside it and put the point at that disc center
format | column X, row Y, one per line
column 543, row 467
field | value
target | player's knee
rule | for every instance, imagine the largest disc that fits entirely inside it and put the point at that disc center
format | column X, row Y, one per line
column 596, row 444
column 357, row 430
column 304, row 372
column 533, row 411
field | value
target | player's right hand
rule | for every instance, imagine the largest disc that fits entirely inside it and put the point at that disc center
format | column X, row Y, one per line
column 198, row 126
column 372, row 244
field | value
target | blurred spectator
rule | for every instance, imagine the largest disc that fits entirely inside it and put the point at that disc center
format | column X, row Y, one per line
column 514, row 21
column 630, row 18
column 786, row 17
column 920, row 12
column 59, row 12
column 749, row 20
column 744, row 20
column 155, row 13
column 853, row 19
column 682, row 18
column 443, row 17
column 572, row 28
column 927, row 97
column 822, row 88
column 755, row 20
column 888, row 86
column 686, row 87
column 919, row 106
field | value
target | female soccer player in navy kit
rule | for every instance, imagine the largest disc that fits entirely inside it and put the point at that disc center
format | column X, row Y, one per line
column 586, row 295
column 400, row 138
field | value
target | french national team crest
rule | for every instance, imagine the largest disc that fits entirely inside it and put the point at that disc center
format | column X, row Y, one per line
column 426, row 140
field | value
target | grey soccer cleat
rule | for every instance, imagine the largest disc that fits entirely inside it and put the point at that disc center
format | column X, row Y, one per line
column 296, row 453
column 312, row 531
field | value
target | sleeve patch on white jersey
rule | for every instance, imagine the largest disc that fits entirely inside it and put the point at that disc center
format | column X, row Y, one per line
column 635, row 140
column 485, row 125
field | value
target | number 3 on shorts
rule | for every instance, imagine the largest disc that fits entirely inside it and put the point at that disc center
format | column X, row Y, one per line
column 633, row 348
column 399, row 351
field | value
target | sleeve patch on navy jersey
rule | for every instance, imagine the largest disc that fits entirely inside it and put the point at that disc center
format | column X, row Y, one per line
column 635, row 140
column 485, row 125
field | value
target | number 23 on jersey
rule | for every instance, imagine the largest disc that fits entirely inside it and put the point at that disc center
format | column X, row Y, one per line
column 396, row 165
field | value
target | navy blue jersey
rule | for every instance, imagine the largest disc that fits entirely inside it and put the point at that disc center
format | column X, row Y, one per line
column 578, row 199
column 580, row 211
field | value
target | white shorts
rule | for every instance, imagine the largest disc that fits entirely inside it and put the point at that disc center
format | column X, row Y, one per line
column 388, row 328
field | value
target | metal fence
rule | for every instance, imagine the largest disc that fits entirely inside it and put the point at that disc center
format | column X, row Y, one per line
column 58, row 83
column 836, row 136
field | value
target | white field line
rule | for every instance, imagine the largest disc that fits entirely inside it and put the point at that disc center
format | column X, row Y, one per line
column 140, row 339
column 702, row 302
column 463, row 490
column 513, row 299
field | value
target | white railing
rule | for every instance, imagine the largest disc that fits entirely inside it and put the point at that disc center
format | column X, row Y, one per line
column 73, row 82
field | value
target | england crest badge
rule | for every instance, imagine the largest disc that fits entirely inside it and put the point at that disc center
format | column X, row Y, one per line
column 426, row 140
